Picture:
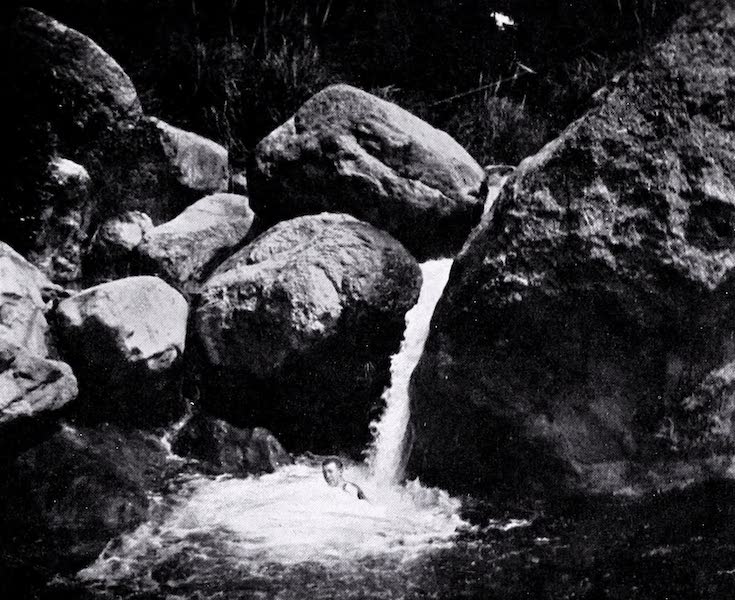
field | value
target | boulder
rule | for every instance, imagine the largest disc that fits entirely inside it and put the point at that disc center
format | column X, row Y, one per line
column 110, row 252
column 348, row 151
column 584, row 342
column 158, row 169
column 24, row 291
column 125, row 340
column 199, row 164
column 224, row 448
column 188, row 248
column 31, row 387
column 70, row 84
column 298, row 327
column 64, row 216
column 64, row 499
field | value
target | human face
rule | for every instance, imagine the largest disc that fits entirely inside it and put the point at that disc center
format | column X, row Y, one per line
column 332, row 474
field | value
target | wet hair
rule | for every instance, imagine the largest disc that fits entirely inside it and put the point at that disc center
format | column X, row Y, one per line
column 333, row 460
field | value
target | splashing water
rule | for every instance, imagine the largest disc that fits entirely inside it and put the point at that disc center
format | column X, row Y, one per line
column 292, row 517
column 388, row 454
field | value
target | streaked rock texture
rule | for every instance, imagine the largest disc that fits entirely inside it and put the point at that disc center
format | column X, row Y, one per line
column 348, row 151
column 585, row 339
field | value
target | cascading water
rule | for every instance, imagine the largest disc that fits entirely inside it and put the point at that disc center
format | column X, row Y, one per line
column 389, row 451
column 291, row 517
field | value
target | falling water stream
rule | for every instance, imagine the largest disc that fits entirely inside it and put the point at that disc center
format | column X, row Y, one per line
column 289, row 536
column 292, row 517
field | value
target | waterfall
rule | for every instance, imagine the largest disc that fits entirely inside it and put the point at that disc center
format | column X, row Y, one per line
column 389, row 451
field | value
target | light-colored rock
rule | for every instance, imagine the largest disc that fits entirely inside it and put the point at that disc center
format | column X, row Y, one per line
column 23, row 293
column 298, row 328
column 189, row 247
column 198, row 163
column 348, row 151
column 125, row 340
column 32, row 386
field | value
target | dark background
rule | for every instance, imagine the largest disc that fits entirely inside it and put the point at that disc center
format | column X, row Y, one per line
column 234, row 69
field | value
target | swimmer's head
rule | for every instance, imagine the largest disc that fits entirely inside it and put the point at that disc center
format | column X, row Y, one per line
column 332, row 468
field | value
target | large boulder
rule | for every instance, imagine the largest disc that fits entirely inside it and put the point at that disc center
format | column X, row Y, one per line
column 350, row 152
column 24, row 291
column 298, row 327
column 125, row 340
column 64, row 499
column 585, row 339
column 189, row 247
column 110, row 253
column 223, row 448
column 69, row 83
column 31, row 387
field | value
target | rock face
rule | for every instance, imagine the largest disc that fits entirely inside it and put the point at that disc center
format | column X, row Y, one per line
column 23, row 294
column 584, row 340
column 199, row 164
column 350, row 152
column 223, row 448
column 64, row 499
column 73, row 85
column 298, row 328
column 125, row 340
column 110, row 253
column 65, row 218
column 189, row 247
column 31, row 386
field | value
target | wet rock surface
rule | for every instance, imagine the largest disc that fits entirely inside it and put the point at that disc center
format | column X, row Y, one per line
column 66, row 497
column 584, row 339
column 223, row 448
column 348, row 151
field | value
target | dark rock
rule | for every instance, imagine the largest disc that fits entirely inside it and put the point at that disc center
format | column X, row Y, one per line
column 72, row 99
column 584, row 341
column 188, row 248
column 64, row 219
column 125, row 340
column 298, row 328
column 31, row 387
column 350, row 152
column 110, row 253
column 64, row 499
column 224, row 448
column 70, row 83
